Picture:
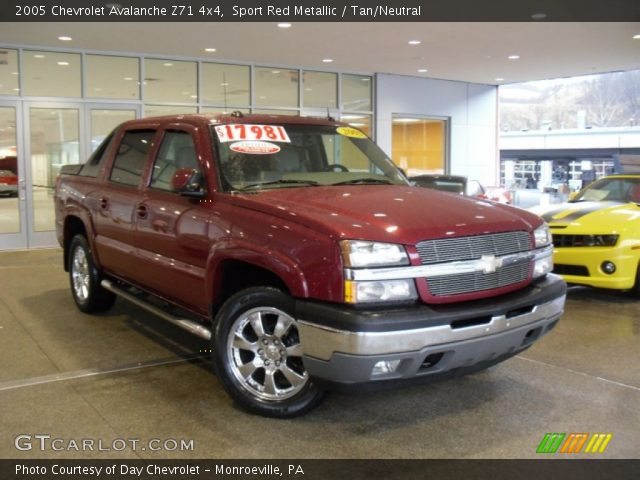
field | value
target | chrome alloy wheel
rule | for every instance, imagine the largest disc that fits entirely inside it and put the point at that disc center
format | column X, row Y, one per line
column 265, row 353
column 80, row 274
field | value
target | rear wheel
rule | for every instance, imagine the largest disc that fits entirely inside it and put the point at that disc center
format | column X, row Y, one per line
column 85, row 279
column 258, row 355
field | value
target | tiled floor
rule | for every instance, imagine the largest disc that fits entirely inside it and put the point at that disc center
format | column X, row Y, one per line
column 127, row 376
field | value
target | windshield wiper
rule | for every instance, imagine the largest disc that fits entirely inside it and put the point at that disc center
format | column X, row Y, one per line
column 280, row 182
column 357, row 181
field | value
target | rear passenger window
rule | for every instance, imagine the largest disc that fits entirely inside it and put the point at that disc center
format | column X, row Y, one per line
column 131, row 157
column 177, row 150
column 92, row 167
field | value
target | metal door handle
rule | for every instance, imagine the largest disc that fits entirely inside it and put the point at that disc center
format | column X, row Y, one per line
column 141, row 211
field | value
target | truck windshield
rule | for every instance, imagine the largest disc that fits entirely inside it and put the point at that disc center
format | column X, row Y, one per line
column 254, row 157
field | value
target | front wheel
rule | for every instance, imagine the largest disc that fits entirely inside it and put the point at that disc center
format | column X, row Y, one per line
column 85, row 279
column 258, row 356
column 635, row 291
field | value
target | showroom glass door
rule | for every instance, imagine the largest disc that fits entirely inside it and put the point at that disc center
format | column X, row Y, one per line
column 53, row 136
column 13, row 225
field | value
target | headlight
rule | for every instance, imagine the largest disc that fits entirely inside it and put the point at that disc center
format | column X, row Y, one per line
column 543, row 262
column 357, row 253
column 380, row 291
column 542, row 236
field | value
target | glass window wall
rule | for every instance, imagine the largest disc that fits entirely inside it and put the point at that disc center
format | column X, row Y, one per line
column 51, row 74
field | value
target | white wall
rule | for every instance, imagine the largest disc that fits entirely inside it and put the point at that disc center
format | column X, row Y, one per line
column 471, row 108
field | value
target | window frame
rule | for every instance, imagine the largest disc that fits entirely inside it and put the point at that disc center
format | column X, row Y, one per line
column 150, row 154
column 167, row 130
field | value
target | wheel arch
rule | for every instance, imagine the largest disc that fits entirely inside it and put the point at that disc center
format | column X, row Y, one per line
column 235, row 268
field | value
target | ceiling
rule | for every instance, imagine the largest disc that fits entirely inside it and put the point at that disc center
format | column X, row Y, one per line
column 473, row 52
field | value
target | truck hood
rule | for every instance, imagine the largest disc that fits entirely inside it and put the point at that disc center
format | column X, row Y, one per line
column 387, row 213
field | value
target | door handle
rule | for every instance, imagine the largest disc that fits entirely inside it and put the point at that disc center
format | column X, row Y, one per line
column 141, row 211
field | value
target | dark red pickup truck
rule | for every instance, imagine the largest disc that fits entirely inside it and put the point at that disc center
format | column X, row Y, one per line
column 304, row 254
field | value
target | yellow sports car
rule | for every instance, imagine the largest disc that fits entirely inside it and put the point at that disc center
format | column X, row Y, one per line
column 596, row 236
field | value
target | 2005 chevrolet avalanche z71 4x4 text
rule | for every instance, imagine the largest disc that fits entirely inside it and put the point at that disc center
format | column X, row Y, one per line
column 304, row 254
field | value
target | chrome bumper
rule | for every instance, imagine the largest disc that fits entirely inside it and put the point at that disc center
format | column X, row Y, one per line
column 321, row 342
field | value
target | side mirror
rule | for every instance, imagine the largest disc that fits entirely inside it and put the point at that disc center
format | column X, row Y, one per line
column 187, row 182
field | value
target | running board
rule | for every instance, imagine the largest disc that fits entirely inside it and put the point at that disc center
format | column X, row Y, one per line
column 188, row 325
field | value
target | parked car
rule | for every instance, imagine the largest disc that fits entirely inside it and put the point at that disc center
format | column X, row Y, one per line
column 302, row 253
column 8, row 183
column 461, row 185
column 596, row 235
column 446, row 183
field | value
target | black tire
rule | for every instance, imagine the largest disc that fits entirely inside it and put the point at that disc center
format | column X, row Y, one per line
column 635, row 291
column 257, row 355
column 84, row 279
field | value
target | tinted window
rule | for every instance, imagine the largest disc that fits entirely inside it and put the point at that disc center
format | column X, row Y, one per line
column 92, row 166
column 176, row 151
column 131, row 157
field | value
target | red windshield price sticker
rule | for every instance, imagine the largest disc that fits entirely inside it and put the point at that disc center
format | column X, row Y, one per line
column 243, row 132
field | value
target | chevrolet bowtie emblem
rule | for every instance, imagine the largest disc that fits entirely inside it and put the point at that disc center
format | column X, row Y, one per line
column 490, row 263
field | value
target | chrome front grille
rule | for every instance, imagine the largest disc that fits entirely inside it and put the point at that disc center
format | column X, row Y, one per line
column 473, row 248
column 478, row 281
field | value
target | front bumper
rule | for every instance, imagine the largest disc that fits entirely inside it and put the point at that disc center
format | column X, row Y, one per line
column 342, row 345
column 582, row 266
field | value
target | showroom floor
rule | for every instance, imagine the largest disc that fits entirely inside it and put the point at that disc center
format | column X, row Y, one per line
column 129, row 375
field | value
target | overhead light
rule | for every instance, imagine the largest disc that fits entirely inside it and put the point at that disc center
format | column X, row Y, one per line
column 422, row 70
column 636, row 37
column 351, row 117
column 128, row 79
column 65, row 38
column 168, row 64
column 405, row 120
column 539, row 16
column 193, row 96
column 210, row 50
column 225, row 84
column 275, row 72
column 15, row 73
column 513, row 57
column 63, row 64
column 284, row 25
column 499, row 79
column 414, row 42
column 38, row 55
column 365, row 79
column 327, row 60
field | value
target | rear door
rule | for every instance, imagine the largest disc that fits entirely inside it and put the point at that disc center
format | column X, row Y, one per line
column 118, row 201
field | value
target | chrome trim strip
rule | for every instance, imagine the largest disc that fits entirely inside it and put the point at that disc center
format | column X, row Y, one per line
column 322, row 342
column 486, row 264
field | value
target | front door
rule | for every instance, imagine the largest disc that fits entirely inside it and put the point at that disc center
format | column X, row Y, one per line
column 13, row 215
column 172, row 231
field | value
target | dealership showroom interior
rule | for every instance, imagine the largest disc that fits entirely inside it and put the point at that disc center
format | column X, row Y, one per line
column 305, row 283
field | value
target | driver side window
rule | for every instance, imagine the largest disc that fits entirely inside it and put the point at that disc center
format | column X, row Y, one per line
column 177, row 151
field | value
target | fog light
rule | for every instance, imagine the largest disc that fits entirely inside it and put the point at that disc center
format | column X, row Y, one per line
column 385, row 366
column 608, row 267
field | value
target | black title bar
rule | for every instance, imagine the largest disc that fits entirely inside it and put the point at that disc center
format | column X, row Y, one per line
column 319, row 469
column 319, row 10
